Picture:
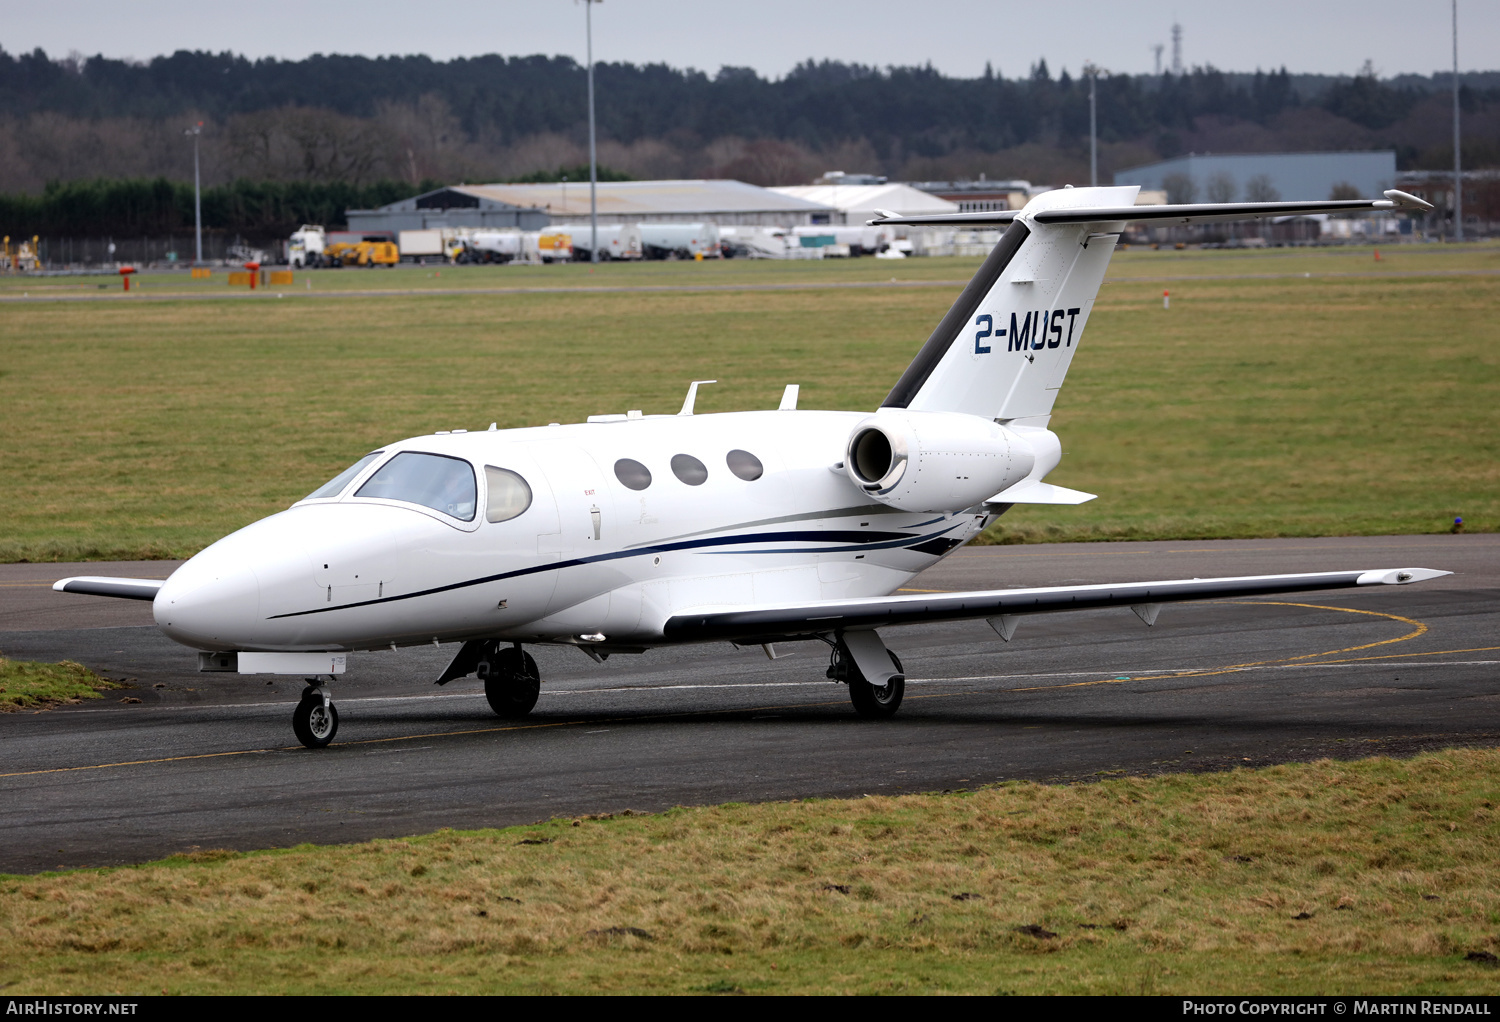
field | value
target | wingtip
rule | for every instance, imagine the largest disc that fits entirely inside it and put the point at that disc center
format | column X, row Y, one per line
column 1408, row 201
column 1399, row 576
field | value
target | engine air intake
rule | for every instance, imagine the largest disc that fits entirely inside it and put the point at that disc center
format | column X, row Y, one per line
column 872, row 458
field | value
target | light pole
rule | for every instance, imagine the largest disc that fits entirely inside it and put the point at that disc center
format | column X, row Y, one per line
column 1458, row 176
column 1093, row 73
column 588, row 20
column 195, row 131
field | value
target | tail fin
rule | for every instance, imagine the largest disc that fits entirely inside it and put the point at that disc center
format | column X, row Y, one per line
column 1004, row 347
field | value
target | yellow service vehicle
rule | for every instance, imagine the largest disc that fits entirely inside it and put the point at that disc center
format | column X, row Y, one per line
column 361, row 253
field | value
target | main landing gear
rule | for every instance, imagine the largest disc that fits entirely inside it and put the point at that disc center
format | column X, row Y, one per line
column 315, row 720
column 511, row 680
column 858, row 660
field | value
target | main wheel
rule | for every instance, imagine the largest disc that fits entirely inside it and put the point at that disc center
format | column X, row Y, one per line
column 877, row 701
column 511, row 682
column 314, row 723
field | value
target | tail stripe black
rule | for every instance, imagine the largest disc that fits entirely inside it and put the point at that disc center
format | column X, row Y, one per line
column 957, row 318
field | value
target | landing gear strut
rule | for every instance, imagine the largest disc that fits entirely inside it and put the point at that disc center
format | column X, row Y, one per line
column 315, row 720
column 872, row 699
column 511, row 680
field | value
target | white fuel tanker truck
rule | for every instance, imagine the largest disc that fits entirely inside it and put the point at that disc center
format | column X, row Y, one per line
column 680, row 241
column 490, row 247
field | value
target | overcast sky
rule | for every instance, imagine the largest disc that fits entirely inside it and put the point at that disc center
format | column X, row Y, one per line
column 957, row 36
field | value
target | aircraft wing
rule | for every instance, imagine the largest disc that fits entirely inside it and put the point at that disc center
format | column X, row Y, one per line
column 99, row 585
column 782, row 621
column 1180, row 213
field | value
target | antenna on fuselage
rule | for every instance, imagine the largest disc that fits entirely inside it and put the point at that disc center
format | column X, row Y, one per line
column 692, row 396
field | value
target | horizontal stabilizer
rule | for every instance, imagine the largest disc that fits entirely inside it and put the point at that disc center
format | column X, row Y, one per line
column 747, row 625
column 1177, row 213
column 986, row 219
column 98, row 585
column 1029, row 491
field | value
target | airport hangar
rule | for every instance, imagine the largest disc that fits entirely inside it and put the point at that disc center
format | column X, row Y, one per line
column 855, row 203
column 531, row 207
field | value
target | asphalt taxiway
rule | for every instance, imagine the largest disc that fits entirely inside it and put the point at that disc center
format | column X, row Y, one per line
column 182, row 760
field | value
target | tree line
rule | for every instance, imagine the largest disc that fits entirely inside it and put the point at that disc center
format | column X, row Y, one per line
column 914, row 110
column 137, row 208
column 363, row 122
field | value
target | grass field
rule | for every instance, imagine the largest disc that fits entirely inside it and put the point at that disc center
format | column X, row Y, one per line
column 1366, row 877
column 26, row 684
column 1267, row 404
column 1264, row 402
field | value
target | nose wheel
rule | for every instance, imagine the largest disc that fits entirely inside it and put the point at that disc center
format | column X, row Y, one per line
column 315, row 720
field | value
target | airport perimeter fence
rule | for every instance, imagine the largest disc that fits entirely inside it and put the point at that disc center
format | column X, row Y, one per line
column 82, row 254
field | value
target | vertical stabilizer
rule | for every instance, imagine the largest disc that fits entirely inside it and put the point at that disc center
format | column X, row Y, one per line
column 1003, row 349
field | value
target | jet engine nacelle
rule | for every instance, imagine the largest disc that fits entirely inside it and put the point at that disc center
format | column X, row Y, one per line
column 935, row 461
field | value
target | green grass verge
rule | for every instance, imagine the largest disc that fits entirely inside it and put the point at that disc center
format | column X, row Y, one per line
column 27, row 684
column 1373, row 877
column 1254, row 407
column 1130, row 262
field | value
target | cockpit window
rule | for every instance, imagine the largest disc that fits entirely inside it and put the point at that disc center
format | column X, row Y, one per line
column 508, row 495
column 336, row 485
column 433, row 480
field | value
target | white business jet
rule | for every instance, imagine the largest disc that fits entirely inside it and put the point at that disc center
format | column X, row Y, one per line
column 632, row 531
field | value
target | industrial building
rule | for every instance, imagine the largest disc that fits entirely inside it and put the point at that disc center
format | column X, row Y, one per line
column 856, row 203
column 533, row 206
column 982, row 196
column 1481, row 205
column 460, row 206
column 1264, row 177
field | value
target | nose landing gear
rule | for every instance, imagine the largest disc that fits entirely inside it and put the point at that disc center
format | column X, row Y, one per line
column 315, row 720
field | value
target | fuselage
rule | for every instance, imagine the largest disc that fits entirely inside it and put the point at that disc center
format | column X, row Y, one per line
column 625, row 523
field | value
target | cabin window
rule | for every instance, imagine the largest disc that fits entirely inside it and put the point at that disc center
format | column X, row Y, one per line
column 508, row 495
column 632, row 473
column 745, row 465
column 432, row 480
column 689, row 469
column 336, row 485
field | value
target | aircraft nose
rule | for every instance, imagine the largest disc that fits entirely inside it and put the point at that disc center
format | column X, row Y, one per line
column 211, row 602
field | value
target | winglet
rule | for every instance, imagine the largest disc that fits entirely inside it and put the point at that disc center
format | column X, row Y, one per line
column 1406, row 200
